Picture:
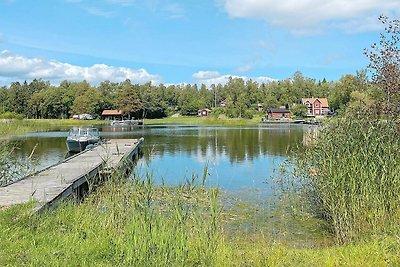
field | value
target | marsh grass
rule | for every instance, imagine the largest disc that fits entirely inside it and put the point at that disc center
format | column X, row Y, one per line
column 124, row 222
column 11, row 168
column 350, row 176
column 13, row 127
column 134, row 223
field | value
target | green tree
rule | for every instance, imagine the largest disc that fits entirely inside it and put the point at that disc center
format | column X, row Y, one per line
column 299, row 110
column 127, row 99
column 385, row 65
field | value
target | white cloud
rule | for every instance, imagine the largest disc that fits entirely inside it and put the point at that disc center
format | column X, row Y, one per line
column 245, row 68
column 363, row 24
column 202, row 75
column 14, row 66
column 306, row 16
column 212, row 77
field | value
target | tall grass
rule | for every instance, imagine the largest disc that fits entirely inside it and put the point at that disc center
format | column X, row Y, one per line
column 12, row 127
column 134, row 223
column 124, row 223
column 350, row 176
column 10, row 168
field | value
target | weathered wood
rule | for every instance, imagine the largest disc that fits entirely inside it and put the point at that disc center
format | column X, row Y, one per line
column 61, row 180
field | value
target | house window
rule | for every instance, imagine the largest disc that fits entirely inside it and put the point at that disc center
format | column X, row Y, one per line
column 317, row 105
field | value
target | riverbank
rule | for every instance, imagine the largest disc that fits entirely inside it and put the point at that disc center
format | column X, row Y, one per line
column 138, row 224
column 13, row 127
column 210, row 120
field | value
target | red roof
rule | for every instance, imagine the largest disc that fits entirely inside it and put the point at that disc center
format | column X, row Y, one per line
column 112, row 112
column 324, row 101
column 279, row 110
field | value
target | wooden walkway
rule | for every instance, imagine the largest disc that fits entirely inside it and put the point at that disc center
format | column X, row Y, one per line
column 63, row 179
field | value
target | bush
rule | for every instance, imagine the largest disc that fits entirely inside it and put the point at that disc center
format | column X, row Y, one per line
column 299, row 111
column 232, row 113
column 248, row 114
column 11, row 115
column 216, row 112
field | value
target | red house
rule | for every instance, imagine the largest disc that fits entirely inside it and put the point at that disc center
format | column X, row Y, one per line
column 203, row 112
column 316, row 106
column 278, row 113
column 111, row 114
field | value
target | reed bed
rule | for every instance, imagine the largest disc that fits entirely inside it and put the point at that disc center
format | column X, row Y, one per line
column 13, row 127
column 350, row 176
column 123, row 223
column 134, row 223
column 10, row 168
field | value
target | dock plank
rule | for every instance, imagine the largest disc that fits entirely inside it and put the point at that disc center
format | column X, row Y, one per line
column 60, row 180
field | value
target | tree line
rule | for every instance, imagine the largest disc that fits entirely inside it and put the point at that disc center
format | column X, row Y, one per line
column 236, row 98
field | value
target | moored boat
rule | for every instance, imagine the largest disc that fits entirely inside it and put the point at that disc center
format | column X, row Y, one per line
column 80, row 138
column 126, row 123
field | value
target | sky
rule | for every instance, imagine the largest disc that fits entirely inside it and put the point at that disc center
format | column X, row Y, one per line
column 191, row 41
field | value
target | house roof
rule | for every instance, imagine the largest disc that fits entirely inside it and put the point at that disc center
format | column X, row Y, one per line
column 324, row 101
column 279, row 110
column 111, row 112
column 205, row 109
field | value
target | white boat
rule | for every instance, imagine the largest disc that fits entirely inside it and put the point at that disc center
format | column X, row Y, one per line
column 79, row 138
column 120, row 123
column 126, row 123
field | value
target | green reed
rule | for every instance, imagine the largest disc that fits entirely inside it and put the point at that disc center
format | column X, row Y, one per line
column 132, row 222
column 350, row 176
column 11, row 168
column 13, row 127
column 124, row 222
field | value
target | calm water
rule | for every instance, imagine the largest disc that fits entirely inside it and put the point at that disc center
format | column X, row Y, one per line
column 238, row 158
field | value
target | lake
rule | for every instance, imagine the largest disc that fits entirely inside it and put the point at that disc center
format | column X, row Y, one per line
column 238, row 158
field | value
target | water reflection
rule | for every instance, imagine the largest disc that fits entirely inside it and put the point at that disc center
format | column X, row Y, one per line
column 239, row 144
column 238, row 157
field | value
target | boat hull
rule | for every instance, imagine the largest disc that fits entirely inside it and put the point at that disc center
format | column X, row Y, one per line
column 76, row 146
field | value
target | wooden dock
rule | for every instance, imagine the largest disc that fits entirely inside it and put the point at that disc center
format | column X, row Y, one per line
column 71, row 175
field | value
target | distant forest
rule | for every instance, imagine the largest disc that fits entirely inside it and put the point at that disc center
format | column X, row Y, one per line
column 40, row 99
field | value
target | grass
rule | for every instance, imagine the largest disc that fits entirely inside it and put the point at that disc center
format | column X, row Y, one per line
column 134, row 223
column 210, row 120
column 10, row 168
column 14, row 127
column 345, row 214
column 349, row 176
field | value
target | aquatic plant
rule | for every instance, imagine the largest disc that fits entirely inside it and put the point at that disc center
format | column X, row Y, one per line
column 134, row 223
column 11, row 168
column 350, row 176
column 13, row 127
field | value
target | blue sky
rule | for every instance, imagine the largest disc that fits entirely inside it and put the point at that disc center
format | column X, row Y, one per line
column 167, row 41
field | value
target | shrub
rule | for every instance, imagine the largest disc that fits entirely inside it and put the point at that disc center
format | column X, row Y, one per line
column 248, row 114
column 11, row 115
